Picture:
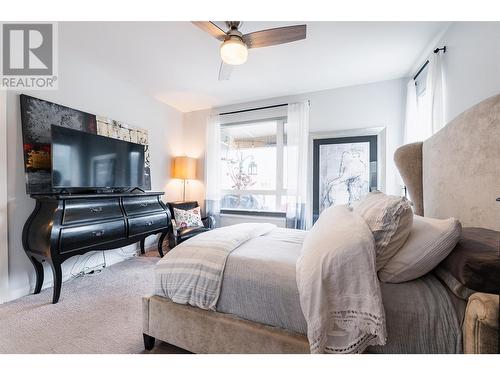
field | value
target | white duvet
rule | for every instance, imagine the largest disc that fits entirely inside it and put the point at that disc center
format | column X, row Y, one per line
column 338, row 285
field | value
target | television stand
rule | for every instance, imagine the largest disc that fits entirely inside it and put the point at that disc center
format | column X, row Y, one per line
column 64, row 225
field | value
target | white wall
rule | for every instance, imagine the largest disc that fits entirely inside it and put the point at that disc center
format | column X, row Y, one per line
column 84, row 86
column 471, row 64
column 4, row 249
column 379, row 104
column 194, row 146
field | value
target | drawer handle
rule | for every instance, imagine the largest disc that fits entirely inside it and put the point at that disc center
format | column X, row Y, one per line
column 96, row 209
column 98, row 233
column 143, row 204
column 149, row 223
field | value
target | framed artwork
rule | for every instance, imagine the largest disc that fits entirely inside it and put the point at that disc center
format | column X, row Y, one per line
column 344, row 170
column 38, row 115
column 118, row 130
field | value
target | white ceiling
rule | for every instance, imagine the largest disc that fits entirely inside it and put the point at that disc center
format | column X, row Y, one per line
column 177, row 63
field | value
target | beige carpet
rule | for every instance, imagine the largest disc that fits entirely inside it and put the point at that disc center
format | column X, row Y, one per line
column 98, row 313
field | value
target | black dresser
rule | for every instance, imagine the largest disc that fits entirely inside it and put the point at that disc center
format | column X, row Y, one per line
column 65, row 225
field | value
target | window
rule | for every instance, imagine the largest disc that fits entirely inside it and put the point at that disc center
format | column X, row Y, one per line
column 252, row 158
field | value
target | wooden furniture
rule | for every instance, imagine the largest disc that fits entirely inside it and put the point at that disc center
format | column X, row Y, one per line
column 177, row 236
column 65, row 225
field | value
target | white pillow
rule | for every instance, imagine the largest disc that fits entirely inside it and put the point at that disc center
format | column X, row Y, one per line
column 429, row 242
column 390, row 219
column 188, row 218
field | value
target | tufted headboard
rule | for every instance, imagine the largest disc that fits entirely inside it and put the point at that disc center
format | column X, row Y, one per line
column 456, row 172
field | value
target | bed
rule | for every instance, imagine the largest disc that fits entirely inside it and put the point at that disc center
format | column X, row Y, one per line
column 258, row 310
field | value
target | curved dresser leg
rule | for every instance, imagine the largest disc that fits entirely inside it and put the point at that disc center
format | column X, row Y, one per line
column 160, row 243
column 39, row 274
column 143, row 250
column 56, row 270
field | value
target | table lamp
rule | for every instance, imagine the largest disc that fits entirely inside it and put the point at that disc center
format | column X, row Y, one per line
column 184, row 169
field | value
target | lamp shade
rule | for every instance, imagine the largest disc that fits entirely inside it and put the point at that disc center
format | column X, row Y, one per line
column 184, row 168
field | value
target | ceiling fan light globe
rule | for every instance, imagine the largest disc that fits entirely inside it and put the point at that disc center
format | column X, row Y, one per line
column 233, row 51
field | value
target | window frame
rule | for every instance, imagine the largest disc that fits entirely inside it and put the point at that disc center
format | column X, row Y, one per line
column 279, row 190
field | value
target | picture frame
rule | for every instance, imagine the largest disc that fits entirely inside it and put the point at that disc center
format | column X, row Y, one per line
column 344, row 170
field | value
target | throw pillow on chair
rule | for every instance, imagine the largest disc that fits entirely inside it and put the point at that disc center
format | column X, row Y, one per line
column 188, row 218
column 186, row 223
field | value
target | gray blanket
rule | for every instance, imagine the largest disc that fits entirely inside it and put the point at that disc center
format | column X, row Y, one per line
column 192, row 272
column 259, row 285
column 422, row 316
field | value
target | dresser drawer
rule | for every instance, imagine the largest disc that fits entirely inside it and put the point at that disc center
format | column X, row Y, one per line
column 145, row 224
column 139, row 205
column 78, row 210
column 89, row 235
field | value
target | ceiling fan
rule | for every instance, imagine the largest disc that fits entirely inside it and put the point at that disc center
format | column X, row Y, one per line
column 235, row 45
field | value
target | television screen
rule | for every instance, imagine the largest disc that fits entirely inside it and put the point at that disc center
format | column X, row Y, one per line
column 85, row 160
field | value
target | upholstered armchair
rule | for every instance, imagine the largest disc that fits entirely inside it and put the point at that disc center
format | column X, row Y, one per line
column 176, row 236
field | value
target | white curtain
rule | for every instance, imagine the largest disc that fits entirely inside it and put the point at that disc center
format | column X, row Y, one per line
column 297, row 141
column 425, row 111
column 212, row 168
column 412, row 130
column 435, row 93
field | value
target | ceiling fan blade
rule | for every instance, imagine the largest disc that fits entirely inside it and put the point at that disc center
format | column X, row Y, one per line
column 212, row 29
column 225, row 71
column 272, row 37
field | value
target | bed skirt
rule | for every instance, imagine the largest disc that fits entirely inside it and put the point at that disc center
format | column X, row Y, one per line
column 203, row 331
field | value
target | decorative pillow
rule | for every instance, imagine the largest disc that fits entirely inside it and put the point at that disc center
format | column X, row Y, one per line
column 474, row 264
column 430, row 241
column 390, row 219
column 189, row 218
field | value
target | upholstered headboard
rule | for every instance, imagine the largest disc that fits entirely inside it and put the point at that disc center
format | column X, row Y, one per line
column 456, row 172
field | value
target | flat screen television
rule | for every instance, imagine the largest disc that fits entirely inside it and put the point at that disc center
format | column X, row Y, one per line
column 82, row 160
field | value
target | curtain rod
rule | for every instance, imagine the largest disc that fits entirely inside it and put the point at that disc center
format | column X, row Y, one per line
column 253, row 109
column 427, row 62
column 258, row 108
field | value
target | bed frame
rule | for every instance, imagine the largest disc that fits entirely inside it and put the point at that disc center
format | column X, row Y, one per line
column 456, row 173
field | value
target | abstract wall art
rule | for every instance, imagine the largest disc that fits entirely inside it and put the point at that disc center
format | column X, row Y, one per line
column 118, row 130
column 38, row 115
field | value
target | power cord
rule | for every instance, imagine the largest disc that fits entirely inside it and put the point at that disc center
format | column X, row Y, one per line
column 82, row 261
